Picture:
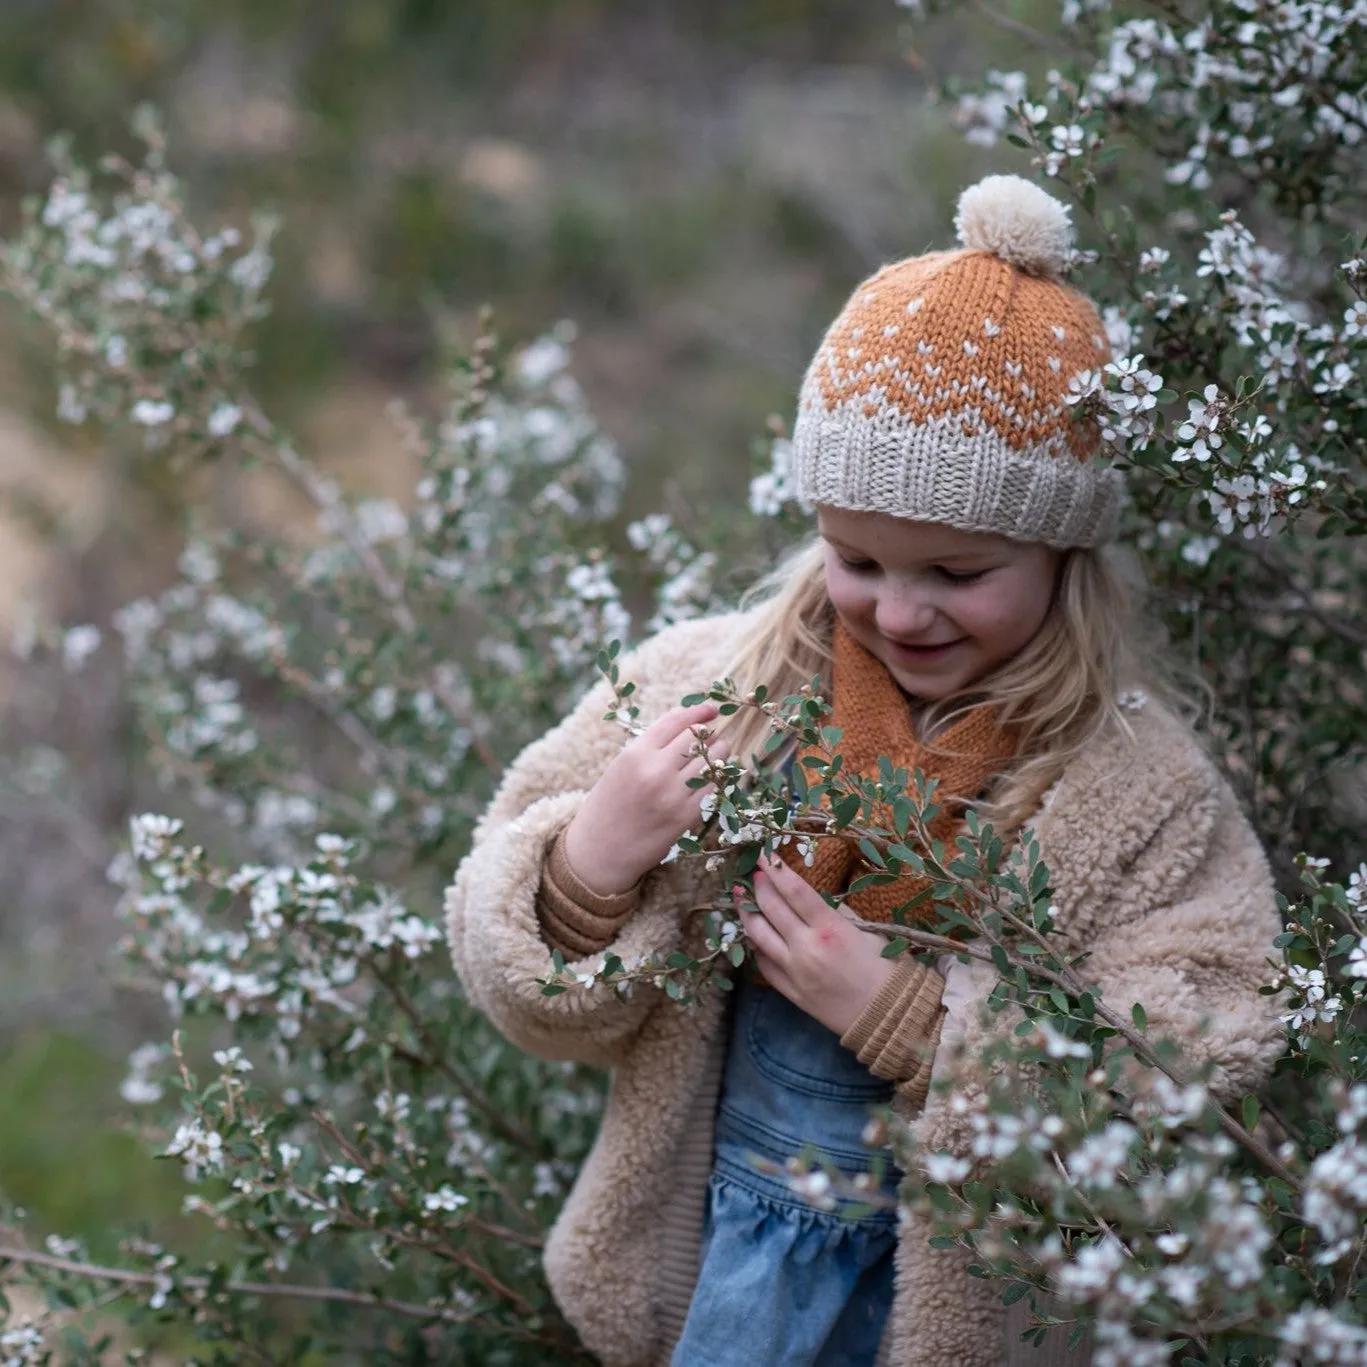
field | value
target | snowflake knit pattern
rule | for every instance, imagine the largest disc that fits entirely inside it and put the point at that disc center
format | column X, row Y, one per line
column 938, row 394
column 870, row 709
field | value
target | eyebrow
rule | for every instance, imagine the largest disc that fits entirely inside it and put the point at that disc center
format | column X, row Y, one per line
column 985, row 552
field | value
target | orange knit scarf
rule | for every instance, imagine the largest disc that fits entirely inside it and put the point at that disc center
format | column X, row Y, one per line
column 872, row 712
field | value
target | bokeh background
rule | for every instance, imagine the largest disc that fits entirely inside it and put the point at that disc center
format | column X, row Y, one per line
column 695, row 183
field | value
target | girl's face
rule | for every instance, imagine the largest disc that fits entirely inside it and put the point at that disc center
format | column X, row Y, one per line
column 939, row 607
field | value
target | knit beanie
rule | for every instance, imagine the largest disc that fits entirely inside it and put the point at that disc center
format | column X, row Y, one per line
column 938, row 394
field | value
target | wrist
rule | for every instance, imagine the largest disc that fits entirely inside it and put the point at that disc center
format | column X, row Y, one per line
column 596, row 874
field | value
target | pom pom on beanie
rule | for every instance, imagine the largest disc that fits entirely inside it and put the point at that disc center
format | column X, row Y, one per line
column 1016, row 221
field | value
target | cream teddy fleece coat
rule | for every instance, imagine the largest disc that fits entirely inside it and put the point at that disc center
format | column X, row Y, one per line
column 1155, row 871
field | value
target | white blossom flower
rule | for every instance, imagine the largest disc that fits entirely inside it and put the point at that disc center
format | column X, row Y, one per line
column 1201, row 428
column 198, row 562
column 23, row 1345
column 945, row 1167
column 1069, row 139
column 984, row 117
column 338, row 1174
column 70, row 406
column 1097, row 1161
column 997, row 1136
column 545, row 358
column 152, row 412
column 78, row 645
column 151, row 833
column 137, row 1088
column 444, row 1198
column 198, row 1148
column 815, row 1188
column 1356, row 889
column 223, row 419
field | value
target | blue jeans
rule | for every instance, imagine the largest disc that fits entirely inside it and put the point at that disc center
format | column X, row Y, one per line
column 782, row 1282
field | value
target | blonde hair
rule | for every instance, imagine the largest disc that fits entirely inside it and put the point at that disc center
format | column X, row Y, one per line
column 1057, row 694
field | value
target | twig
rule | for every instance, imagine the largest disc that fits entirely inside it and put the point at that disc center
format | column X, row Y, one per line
column 390, row 590
column 1032, row 36
column 1086, row 1205
column 513, row 1133
column 1303, row 600
column 341, row 1295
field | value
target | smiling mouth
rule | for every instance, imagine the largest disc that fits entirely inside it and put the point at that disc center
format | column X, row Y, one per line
column 924, row 652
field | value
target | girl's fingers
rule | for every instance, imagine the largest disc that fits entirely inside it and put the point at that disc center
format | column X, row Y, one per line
column 767, row 941
column 804, row 902
column 777, row 976
column 777, row 909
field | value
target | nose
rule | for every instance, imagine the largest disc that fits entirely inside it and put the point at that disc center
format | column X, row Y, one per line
column 904, row 614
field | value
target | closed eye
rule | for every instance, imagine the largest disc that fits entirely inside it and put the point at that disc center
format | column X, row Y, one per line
column 959, row 577
column 857, row 566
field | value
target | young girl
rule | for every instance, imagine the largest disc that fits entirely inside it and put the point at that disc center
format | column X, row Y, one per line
column 958, row 603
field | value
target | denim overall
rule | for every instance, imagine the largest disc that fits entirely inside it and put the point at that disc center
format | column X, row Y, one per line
column 781, row 1282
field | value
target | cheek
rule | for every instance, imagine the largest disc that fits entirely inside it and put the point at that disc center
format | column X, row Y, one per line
column 1007, row 613
column 854, row 601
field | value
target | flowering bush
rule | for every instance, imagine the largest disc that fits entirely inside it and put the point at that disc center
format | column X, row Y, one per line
column 379, row 1165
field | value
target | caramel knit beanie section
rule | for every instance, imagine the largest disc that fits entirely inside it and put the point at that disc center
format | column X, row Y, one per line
column 938, row 393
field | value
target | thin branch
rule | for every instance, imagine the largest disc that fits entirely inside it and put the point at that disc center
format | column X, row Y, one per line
column 1014, row 26
column 510, row 1131
column 390, row 589
column 341, row 1295
column 1304, row 601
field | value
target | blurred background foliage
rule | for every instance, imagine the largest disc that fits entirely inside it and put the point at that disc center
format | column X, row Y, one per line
column 698, row 185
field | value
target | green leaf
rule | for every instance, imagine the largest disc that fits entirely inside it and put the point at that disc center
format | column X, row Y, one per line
column 870, row 852
column 831, row 736
column 1139, row 1016
column 1039, row 881
column 893, row 948
column 1251, row 1111
column 871, row 880
column 1015, row 1292
column 906, row 856
column 692, row 700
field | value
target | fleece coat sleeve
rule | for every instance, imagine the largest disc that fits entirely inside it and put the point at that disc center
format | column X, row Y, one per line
column 493, row 927
column 1177, row 907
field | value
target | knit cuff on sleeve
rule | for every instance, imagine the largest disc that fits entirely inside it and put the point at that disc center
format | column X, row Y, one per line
column 896, row 1034
column 575, row 919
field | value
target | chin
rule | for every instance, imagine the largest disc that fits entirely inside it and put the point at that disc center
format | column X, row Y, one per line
column 926, row 687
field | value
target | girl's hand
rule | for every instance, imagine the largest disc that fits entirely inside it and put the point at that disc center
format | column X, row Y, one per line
column 817, row 958
column 642, row 804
